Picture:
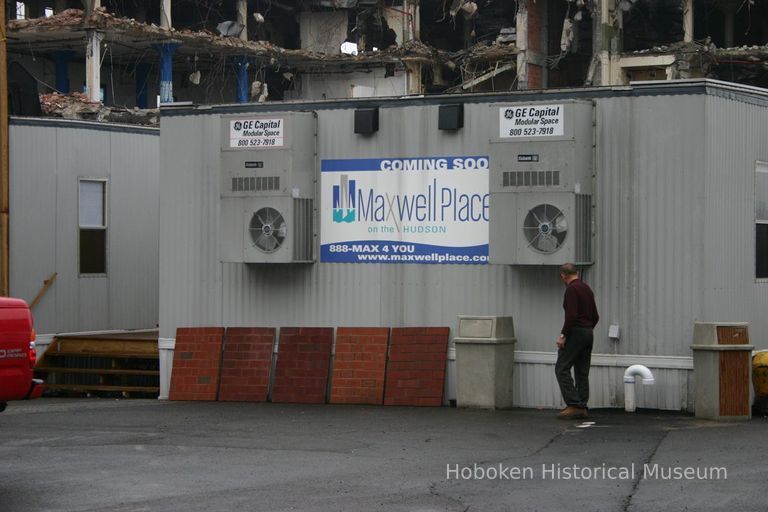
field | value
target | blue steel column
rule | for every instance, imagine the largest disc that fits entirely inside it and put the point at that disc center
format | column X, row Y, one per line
column 62, row 59
column 241, row 70
column 142, row 74
column 166, row 51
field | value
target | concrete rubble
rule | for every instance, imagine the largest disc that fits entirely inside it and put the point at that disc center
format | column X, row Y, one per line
column 704, row 58
column 76, row 106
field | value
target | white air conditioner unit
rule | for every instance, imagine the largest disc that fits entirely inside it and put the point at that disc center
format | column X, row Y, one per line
column 277, row 230
column 541, row 184
column 267, row 188
column 548, row 228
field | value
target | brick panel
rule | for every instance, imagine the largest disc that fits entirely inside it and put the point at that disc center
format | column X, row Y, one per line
column 246, row 363
column 196, row 363
column 303, row 360
column 359, row 365
column 416, row 368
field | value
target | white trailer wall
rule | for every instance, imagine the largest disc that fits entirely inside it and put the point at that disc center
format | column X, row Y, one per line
column 46, row 159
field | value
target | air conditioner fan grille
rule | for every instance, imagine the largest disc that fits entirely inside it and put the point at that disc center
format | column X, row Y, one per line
column 545, row 228
column 268, row 230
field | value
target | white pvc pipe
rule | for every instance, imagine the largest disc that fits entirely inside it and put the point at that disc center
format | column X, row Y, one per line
column 629, row 384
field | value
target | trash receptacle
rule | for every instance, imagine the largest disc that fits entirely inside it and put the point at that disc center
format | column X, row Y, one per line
column 722, row 365
column 485, row 358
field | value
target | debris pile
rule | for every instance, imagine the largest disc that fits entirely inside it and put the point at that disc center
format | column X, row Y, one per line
column 66, row 18
column 415, row 50
column 681, row 48
column 748, row 53
column 494, row 52
column 77, row 106
column 745, row 63
column 116, row 27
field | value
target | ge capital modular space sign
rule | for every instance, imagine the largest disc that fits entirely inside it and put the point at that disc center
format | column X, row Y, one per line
column 256, row 133
column 427, row 210
column 531, row 121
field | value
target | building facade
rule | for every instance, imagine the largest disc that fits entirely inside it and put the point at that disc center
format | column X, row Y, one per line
column 674, row 225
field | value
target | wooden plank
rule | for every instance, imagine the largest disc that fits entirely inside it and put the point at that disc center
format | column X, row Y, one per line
column 734, row 383
column 46, row 284
column 108, row 355
column 88, row 387
column 148, row 336
column 97, row 371
column 732, row 335
column 122, row 348
column 123, row 343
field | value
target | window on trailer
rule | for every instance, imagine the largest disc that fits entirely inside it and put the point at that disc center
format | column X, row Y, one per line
column 761, row 220
column 93, row 226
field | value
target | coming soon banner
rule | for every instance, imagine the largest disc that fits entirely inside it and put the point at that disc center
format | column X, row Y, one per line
column 428, row 210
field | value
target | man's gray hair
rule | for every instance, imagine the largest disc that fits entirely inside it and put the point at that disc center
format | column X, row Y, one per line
column 568, row 269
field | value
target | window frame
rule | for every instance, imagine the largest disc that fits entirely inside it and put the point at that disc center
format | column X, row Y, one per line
column 104, row 227
column 762, row 168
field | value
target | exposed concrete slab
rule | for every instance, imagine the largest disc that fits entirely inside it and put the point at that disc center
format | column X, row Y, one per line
column 83, row 455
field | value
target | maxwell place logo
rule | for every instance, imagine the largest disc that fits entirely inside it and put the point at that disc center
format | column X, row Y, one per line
column 344, row 200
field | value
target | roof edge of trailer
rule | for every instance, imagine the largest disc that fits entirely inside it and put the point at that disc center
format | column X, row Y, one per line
column 85, row 125
column 705, row 86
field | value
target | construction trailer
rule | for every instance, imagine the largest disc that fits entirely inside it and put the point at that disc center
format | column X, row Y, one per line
column 84, row 224
column 411, row 211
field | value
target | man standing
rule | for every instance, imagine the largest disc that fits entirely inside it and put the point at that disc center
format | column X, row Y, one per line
column 575, row 343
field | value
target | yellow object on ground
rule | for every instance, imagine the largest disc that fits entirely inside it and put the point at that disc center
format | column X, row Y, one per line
column 760, row 380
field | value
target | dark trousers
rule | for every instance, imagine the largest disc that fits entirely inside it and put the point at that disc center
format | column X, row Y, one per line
column 576, row 354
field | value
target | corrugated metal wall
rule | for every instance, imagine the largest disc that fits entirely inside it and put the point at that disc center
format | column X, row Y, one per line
column 661, row 247
column 46, row 159
column 534, row 387
column 737, row 136
column 196, row 289
column 648, row 221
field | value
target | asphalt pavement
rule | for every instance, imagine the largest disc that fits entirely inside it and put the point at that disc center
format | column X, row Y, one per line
column 148, row 455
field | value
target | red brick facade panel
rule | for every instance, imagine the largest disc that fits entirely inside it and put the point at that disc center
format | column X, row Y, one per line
column 196, row 363
column 359, row 365
column 246, row 364
column 303, row 362
column 416, row 368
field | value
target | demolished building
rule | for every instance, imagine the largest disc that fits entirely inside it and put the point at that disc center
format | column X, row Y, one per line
column 136, row 54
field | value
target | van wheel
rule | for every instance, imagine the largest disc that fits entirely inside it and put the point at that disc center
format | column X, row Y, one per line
column 2, row 406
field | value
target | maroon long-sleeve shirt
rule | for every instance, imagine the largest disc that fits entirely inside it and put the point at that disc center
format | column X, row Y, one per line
column 579, row 306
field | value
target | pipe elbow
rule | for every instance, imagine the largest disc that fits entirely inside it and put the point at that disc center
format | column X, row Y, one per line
column 639, row 370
